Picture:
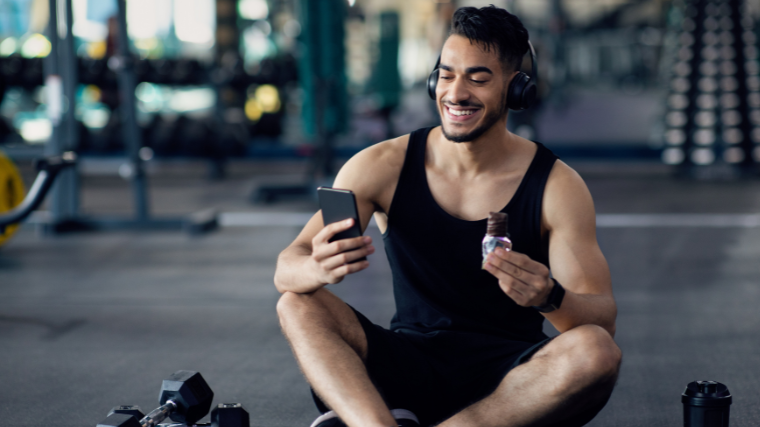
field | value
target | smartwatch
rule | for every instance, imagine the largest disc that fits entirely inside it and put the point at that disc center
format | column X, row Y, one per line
column 554, row 300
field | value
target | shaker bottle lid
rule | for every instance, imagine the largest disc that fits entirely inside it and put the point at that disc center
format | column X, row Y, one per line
column 706, row 393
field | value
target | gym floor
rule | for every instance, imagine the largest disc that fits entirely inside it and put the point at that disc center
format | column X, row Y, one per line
column 93, row 320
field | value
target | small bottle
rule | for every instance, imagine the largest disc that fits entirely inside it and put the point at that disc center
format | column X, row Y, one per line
column 496, row 234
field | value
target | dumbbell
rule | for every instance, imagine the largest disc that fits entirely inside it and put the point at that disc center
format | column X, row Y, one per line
column 224, row 415
column 230, row 415
column 185, row 398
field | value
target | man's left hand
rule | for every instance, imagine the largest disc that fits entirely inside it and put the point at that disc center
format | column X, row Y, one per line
column 526, row 281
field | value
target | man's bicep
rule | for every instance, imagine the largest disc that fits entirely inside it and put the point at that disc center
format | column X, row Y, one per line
column 574, row 254
column 365, row 180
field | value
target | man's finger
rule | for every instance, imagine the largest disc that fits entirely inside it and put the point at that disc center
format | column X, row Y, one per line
column 331, row 230
column 347, row 257
column 521, row 261
column 506, row 268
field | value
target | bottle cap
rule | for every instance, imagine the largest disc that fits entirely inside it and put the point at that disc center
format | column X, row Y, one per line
column 497, row 224
column 706, row 393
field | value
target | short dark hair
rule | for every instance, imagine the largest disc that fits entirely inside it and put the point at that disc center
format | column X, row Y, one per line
column 494, row 28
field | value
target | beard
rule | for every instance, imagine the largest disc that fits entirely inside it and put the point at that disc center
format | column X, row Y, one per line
column 488, row 121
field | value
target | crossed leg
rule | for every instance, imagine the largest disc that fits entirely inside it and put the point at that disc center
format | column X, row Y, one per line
column 572, row 374
column 331, row 347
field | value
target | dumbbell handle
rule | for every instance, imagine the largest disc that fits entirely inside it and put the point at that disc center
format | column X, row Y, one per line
column 159, row 414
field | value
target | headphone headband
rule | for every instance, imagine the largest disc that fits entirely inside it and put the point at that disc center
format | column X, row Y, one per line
column 533, row 64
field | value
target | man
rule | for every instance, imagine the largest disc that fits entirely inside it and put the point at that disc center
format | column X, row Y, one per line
column 466, row 346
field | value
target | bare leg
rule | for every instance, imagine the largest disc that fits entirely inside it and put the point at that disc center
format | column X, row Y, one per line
column 573, row 373
column 330, row 346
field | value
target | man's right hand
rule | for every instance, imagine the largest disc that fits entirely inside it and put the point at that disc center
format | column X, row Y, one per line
column 333, row 261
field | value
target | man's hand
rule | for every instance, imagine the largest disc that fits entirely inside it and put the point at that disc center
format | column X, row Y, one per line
column 333, row 261
column 526, row 281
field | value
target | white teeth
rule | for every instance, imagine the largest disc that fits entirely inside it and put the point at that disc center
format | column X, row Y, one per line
column 461, row 112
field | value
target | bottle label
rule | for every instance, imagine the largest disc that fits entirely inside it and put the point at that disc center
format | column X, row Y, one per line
column 490, row 243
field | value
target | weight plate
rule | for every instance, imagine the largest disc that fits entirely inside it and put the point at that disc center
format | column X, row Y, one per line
column 12, row 193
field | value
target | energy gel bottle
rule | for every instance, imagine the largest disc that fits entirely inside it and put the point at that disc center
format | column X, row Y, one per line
column 496, row 234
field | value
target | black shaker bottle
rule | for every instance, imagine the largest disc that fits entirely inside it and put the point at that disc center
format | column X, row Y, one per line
column 706, row 404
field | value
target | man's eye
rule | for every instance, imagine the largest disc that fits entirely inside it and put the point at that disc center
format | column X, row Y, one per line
column 478, row 81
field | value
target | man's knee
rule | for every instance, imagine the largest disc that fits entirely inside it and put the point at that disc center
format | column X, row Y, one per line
column 289, row 306
column 317, row 312
column 592, row 358
column 295, row 309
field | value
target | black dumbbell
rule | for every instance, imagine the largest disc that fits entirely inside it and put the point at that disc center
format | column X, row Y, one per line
column 185, row 398
column 129, row 410
column 229, row 415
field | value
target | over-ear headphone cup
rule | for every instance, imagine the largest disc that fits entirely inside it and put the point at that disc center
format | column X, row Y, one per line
column 432, row 82
column 529, row 95
column 521, row 93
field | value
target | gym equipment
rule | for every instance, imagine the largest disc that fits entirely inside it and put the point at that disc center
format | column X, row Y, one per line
column 11, row 193
column 521, row 93
column 185, row 398
column 65, row 215
column 129, row 410
column 48, row 168
column 706, row 404
column 229, row 415
column 120, row 420
column 224, row 415
column 711, row 125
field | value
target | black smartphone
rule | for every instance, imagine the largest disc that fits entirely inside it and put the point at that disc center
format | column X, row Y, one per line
column 338, row 205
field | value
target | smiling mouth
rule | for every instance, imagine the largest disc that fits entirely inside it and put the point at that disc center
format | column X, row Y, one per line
column 460, row 113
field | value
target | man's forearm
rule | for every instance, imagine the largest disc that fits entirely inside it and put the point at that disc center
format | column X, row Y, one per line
column 584, row 309
column 292, row 270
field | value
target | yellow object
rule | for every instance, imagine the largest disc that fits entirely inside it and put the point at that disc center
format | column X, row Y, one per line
column 97, row 50
column 12, row 193
column 253, row 109
column 269, row 98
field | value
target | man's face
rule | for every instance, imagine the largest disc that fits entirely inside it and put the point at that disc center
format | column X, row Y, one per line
column 471, row 91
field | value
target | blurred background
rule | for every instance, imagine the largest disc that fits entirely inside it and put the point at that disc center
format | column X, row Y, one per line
column 227, row 80
column 224, row 116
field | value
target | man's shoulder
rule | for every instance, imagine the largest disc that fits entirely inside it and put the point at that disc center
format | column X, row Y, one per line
column 567, row 199
column 381, row 158
column 374, row 169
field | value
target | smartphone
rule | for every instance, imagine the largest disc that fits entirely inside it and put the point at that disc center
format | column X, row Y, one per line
column 338, row 205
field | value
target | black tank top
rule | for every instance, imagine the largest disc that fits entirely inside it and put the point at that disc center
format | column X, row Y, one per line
column 436, row 258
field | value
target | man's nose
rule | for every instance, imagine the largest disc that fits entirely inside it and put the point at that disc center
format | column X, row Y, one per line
column 456, row 92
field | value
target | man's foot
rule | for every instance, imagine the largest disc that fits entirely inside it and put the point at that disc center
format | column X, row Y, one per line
column 403, row 417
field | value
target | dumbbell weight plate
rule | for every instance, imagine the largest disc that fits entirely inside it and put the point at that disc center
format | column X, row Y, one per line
column 230, row 415
column 129, row 410
column 120, row 420
column 190, row 392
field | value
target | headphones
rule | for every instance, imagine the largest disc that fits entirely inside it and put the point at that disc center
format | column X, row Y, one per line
column 521, row 93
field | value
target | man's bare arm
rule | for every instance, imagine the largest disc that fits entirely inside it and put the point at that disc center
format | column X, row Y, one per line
column 311, row 262
column 574, row 255
column 308, row 264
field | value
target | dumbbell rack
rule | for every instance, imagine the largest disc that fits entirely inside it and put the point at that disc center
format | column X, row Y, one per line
column 712, row 117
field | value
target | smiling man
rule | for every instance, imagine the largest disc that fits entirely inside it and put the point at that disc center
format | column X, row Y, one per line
column 466, row 346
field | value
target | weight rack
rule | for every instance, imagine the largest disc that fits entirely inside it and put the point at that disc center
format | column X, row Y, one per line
column 712, row 117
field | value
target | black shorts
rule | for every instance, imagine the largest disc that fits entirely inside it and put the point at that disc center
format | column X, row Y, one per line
column 437, row 374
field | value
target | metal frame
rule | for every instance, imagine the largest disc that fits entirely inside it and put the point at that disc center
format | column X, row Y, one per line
column 64, row 208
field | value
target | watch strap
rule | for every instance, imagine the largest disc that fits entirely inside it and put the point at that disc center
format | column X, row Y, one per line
column 554, row 300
